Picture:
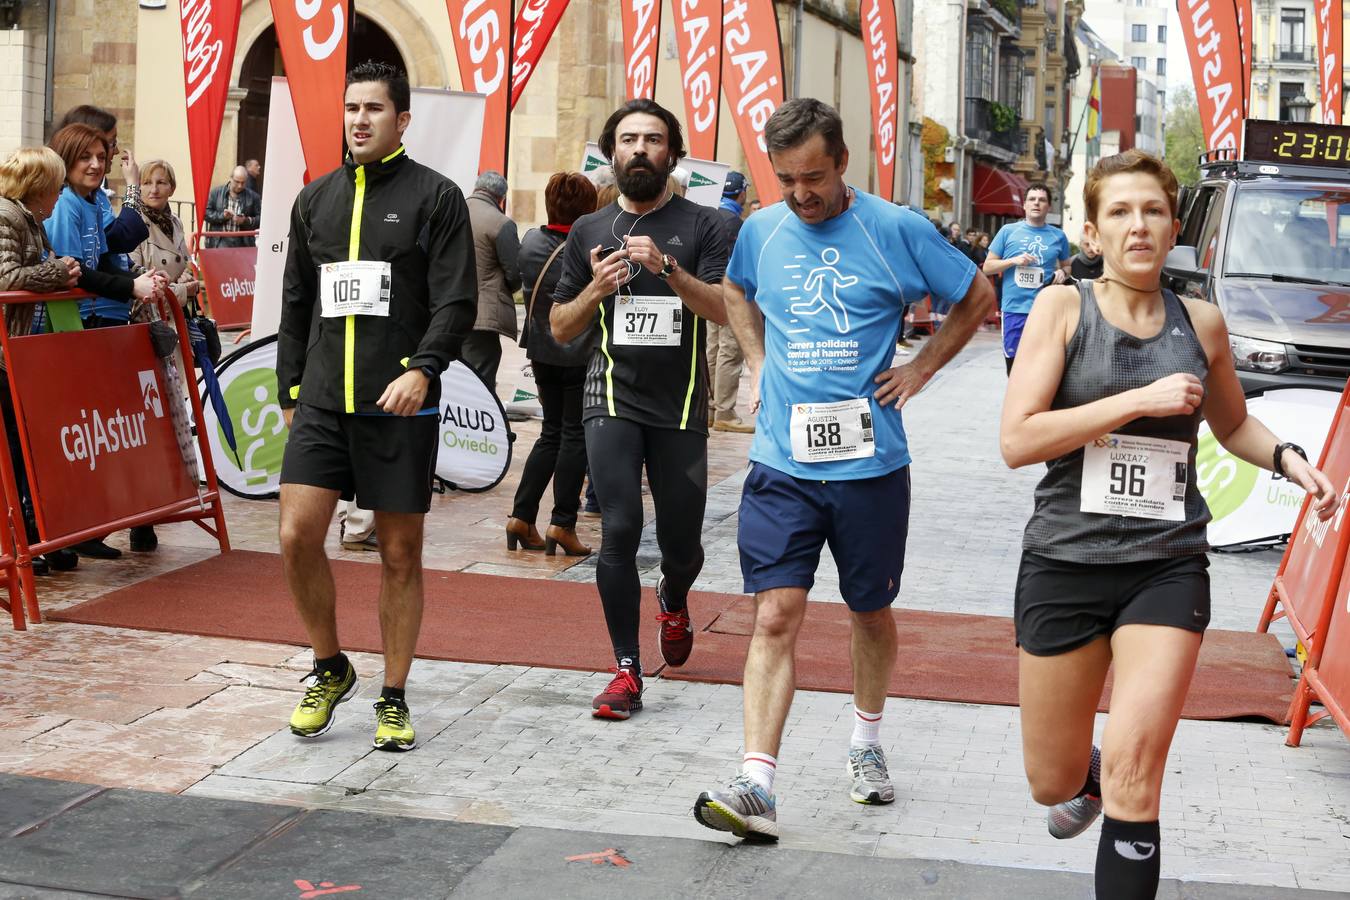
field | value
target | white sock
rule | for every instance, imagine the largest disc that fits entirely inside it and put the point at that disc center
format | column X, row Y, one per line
column 759, row 768
column 866, row 728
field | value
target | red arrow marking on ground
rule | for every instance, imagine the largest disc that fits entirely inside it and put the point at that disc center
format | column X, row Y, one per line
column 309, row 890
column 612, row 856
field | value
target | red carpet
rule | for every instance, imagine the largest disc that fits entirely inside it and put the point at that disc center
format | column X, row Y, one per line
column 521, row 621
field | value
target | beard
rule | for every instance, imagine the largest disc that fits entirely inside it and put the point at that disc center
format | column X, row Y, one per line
column 640, row 181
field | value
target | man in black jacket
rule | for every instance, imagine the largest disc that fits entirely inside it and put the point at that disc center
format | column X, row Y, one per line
column 379, row 292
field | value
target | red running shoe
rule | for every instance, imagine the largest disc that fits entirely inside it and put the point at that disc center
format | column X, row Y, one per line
column 677, row 634
column 621, row 699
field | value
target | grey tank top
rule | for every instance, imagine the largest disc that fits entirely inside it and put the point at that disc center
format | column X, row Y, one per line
column 1101, row 361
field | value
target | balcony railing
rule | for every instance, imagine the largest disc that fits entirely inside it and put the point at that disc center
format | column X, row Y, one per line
column 1302, row 53
column 983, row 124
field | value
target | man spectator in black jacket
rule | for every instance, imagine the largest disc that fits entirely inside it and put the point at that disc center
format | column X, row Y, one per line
column 233, row 207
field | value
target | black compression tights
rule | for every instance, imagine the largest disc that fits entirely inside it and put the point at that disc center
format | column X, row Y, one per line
column 677, row 470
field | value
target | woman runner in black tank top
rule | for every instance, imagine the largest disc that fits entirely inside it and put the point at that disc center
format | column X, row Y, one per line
column 1109, row 387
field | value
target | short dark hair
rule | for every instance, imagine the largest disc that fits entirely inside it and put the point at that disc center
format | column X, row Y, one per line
column 96, row 117
column 793, row 123
column 567, row 197
column 674, row 134
column 393, row 78
column 1040, row 186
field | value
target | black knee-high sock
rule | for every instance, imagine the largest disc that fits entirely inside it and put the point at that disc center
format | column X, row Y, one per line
column 1128, row 858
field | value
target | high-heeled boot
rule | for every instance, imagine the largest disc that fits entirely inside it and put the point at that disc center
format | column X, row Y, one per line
column 556, row 536
column 522, row 533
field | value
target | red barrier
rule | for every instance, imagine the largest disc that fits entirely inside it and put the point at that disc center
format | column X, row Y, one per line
column 1309, row 573
column 1311, row 577
column 228, row 273
column 98, row 440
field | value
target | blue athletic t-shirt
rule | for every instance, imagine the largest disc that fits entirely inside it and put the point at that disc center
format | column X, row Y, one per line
column 832, row 295
column 1047, row 244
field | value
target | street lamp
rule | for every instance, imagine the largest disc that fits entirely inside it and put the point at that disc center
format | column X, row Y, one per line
column 1299, row 107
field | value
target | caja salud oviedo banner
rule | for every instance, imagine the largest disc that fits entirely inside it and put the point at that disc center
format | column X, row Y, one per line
column 752, row 80
column 698, row 33
column 1210, row 29
column 880, row 51
column 535, row 24
column 641, row 37
column 482, row 34
column 209, row 31
column 312, row 35
column 1330, row 46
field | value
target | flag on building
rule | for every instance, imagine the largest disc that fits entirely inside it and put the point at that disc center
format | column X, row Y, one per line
column 1094, row 116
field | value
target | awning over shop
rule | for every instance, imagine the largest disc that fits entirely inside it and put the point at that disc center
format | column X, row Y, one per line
column 998, row 193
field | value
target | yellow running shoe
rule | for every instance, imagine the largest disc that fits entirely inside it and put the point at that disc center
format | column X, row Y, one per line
column 314, row 714
column 395, row 732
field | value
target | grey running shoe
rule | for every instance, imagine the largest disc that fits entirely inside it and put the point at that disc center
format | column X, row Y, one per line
column 1072, row 817
column 871, row 781
column 743, row 809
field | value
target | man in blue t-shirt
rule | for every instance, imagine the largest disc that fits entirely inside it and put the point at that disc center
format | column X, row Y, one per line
column 1036, row 253
column 814, row 291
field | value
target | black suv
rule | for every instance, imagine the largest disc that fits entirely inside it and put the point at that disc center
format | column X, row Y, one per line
column 1271, row 246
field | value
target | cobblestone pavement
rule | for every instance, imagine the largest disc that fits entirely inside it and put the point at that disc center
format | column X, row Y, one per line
column 516, row 746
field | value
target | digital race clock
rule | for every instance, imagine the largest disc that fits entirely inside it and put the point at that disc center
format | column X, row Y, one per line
column 1297, row 143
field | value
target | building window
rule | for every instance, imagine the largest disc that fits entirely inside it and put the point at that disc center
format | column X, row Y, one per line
column 1291, row 34
column 1029, row 94
column 980, row 61
column 1288, row 91
column 1162, row 65
column 1162, row 100
column 1139, row 63
column 1162, row 34
column 1139, row 33
column 1010, row 67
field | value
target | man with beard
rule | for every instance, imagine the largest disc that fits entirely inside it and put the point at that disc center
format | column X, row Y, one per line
column 646, row 269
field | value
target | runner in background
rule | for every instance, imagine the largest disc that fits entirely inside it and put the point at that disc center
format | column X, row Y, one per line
column 645, row 270
column 1028, row 255
column 1114, row 379
column 379, row 292
column 816, row 290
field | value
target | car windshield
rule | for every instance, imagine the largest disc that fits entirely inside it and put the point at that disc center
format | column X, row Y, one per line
column 1288, row 233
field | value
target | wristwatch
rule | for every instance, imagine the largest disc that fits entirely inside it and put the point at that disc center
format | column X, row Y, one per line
column 1279, row 458
column 668, row 266
column 429, row 372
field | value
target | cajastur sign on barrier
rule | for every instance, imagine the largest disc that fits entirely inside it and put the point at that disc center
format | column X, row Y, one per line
column 1311, row 567
column 100, row 438
column 1311, row 586
column 228, row 273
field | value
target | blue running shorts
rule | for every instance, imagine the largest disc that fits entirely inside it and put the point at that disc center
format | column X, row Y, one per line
column 784, row 521
column 1013, row 323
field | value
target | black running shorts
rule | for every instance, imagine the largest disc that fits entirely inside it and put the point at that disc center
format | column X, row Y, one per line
column 1061, row 606
column 384, row 462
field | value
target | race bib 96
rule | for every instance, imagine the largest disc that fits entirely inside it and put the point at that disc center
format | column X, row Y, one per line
column 1141, row 477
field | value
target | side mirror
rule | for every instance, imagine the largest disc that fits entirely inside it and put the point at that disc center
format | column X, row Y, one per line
column 1184, row 263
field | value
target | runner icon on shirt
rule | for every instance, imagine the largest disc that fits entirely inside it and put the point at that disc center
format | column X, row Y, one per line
column 818, row 279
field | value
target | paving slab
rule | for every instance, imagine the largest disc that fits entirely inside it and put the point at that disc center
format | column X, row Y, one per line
column 170, row 840
column 382, row 856
column 31, row 801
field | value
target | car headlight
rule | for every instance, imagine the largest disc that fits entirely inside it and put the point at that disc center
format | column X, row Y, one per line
column 1252, row 355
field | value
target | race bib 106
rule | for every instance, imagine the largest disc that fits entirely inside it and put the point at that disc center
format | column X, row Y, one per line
column 823, row 432
column 642, row 321
column 354, row 288
column 1141, row 477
